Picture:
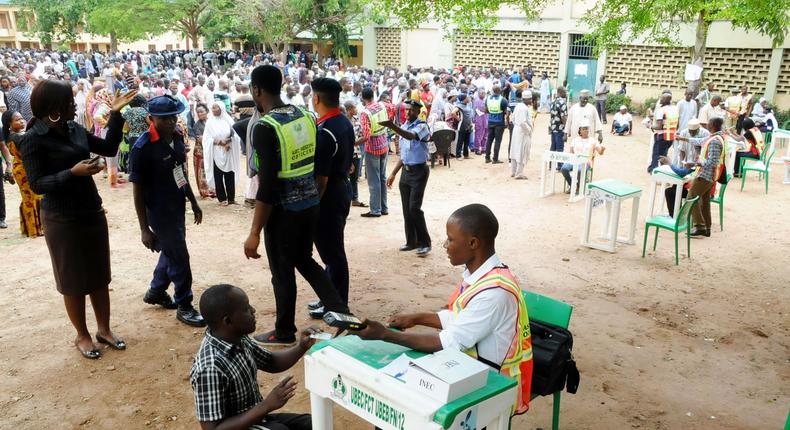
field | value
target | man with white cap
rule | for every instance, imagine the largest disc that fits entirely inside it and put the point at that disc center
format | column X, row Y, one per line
column 758, row 112
column 583, row 111
column 688, row 141
column 521, row 134
column 622, row 122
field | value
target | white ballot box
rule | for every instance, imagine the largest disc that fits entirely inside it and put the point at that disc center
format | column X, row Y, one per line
column 370, row 380
column 446, row 375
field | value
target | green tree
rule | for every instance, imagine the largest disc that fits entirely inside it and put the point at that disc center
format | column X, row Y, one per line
column 127, row 22
column 280, row 21
column 465, row 15
column 613, row 21
column 54, row 20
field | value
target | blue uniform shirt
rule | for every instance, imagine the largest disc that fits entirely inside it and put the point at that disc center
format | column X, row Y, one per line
column 415, row 151
column 151, row 165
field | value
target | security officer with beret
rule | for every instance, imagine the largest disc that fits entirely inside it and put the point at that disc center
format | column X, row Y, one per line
column 157, row 170
column 334, row 150
column 287, row 204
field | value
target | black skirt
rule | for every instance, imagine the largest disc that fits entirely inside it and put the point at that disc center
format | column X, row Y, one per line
column 80, row 250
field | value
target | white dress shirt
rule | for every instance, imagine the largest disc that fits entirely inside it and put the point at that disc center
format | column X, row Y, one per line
column 488, row 320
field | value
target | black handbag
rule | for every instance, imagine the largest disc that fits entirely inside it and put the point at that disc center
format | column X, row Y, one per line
column 554, row 368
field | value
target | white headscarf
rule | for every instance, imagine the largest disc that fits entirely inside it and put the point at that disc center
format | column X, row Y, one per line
column 220, row 127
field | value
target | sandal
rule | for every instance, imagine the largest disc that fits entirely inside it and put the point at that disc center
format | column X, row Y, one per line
column 93, row 354
column 119, row 345
column 358, row 204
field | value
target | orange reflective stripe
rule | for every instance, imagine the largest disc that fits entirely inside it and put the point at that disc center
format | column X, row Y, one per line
column 518, row 360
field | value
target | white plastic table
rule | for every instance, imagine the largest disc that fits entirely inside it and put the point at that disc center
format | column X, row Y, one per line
column 732, row 147
column 612, row 193
column 346, row 371
column 551, row 160
column 781, row 139
column 786, row 160
column 662, row 178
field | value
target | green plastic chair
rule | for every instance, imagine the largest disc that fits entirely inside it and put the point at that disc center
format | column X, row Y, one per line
column 719, row 200
column 682, row 222
column 545, row 309
column 762, row 167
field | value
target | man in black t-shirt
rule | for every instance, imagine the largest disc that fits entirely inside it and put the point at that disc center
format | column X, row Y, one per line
column 333, row 154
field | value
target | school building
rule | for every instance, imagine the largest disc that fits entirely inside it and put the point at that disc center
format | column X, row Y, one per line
column 553, row 43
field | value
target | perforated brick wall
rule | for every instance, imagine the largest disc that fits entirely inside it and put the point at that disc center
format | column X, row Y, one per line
column 508, row 49
column 661, row 67
column 783, row 83
column 388, row 42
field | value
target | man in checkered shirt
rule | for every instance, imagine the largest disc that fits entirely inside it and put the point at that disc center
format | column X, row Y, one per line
column 224, row 374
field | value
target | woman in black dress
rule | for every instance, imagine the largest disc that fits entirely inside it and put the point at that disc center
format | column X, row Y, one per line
column 56, row 155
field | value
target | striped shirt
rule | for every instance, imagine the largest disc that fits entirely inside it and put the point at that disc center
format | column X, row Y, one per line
column 376, row 145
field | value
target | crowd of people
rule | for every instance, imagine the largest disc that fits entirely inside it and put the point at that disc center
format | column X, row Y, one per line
column 301, row 133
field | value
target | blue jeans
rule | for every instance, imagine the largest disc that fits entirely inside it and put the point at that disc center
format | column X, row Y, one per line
column 557, row 143
column 376, row 170
column 660, row 148
column 620, row 128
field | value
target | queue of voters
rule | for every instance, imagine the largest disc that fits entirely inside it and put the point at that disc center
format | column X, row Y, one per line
column 285, row 146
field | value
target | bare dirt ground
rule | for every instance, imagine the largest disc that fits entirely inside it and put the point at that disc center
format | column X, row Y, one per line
column 702, row 345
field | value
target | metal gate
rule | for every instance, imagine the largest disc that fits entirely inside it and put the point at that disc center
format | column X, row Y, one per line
column 581, row 76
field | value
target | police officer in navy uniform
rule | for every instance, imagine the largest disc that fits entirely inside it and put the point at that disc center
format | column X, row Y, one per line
column 287, row 203
column 335, row 147
column 157, row 170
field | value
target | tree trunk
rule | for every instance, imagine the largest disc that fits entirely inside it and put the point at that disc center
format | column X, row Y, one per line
column 194, row 34
column 700, row 43
column 113, row 42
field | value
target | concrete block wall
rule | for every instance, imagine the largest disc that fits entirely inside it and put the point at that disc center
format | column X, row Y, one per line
column 388, row 47
column 508, row 49
column 659, row 67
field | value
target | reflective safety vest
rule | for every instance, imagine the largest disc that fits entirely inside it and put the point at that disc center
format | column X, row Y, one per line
column 494, row 105
column 759, row 142
column 296, row 134
column 703, row 156
column 734, row 105
column 375, row 118
column 671, row 121
column 518, row 361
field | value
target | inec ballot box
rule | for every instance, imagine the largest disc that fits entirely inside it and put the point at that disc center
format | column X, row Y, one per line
column 446, row 375
column 385, row 385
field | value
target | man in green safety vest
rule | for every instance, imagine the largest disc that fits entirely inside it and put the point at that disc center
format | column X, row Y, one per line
column 497, row 109
column 287, row 203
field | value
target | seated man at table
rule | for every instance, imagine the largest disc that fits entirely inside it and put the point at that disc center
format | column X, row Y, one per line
column 486, row 316
column 224, row 373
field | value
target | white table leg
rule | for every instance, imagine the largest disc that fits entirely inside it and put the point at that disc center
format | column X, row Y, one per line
column 501, row 423
column 634, row 215
column 321, row 412
column 652, row 199
column 615, row 223
column 607, row 219
column 587, row 220
column 678, row 198
column 546, row 166
column 574, row 182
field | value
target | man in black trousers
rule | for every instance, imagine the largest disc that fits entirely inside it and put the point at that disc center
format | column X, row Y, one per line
column 334, row 148
column 414, row 155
